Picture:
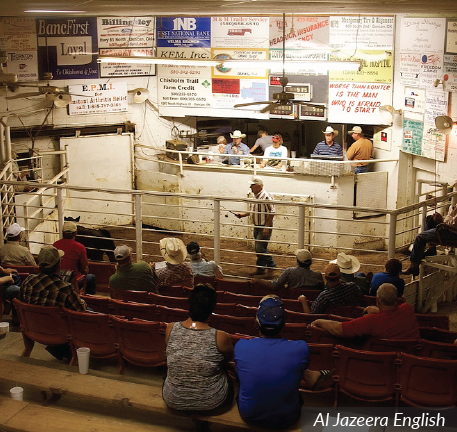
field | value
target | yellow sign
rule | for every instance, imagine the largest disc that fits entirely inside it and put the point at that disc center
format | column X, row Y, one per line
column 375, row 68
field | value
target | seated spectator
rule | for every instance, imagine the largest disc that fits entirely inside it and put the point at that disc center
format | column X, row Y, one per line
column 447, row 229
column 270, row 369
column 338, row 293
column 389, row 320
column 137, row 276
column 349, row 266
column 236, row 148
column 47, row 289
column 196, row 357
column 276, row 154
column 200, row 266
column 391, row 275
column 300, row 276
column 10, row 283
column 176, row 271
column 75, row 258
column 13, row 253
column 328, row 147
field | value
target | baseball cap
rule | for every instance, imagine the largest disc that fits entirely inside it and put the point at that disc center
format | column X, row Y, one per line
column 14, row 230
column 256, row 180
column 69, row 227
column 192, row 248
column 276, row 137
column 270, row 311
column 49, row 256
column 303, row 255
column 355, row 129
column 332, row 271
column 122, row 252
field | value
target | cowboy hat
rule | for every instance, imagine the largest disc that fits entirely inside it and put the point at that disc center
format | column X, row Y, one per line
column 173, row 250
column 237, row 134
column 347, row 263
column 329, row 130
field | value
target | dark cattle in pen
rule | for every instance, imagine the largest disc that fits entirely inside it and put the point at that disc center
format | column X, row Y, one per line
column 96, row 241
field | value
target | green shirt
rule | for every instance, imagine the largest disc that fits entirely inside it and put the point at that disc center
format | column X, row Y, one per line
column 135, row 276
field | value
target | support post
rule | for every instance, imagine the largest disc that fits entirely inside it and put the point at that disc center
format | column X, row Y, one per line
column 217, row 231
column 301, row 226
column 392, row 235
column 139, row 226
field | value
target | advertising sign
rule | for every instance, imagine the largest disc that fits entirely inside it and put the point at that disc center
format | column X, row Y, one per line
column 98, row 98
column 239, row 32
column 183, row 32
column 126, row 32
column 67, row 47
column 357, row 102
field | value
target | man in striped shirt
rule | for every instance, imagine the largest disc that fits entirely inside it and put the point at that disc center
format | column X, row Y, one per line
column 262, row 214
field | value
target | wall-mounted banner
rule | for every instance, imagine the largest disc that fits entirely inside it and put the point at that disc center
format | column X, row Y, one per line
column 20, row 43
column 126, row 32
column 414, row 100
column 67, row 47
column 357, row 102
column 229, row 92
column 422, row 35
column 308, row 33
column 352, row 32
column 433, row 141
column 100, row 98
column 183, row 32
column 239, row 54
column 374, row 70
column 413, row 130
column 410, row 67
column 122, row 69
column 451, row 37
column 181, row 91
column 431, row 69
column 450, row 72
column 298, row 54
column 239, row 32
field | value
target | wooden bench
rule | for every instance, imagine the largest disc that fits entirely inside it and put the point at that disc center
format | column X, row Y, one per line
column 101, row 391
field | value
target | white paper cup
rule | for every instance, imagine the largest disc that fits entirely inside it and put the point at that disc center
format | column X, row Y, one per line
column 284, row 167
column 17, row 393
column 83, row 359
column 293, row 154
column 4, row 327
column 241, row 163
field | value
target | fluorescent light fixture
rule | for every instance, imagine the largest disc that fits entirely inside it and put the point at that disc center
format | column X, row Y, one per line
column 46, row 11
column 252, row 64
column 158, row 61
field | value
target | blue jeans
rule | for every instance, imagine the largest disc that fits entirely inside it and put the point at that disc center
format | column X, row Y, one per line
column 361, row 169
column 10, row 292
column 264, row 259
column 90, row 283
column 417, row 254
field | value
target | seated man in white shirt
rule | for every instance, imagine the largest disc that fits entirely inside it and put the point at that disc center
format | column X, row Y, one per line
column 275, row 153
column 200, row 266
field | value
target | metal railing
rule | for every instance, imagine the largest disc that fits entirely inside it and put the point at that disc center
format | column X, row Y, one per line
column 208, row 218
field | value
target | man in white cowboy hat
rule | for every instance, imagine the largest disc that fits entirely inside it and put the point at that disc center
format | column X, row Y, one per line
column 328, row 147
column 361, row 149
column 338, row 293
column 13, row 253
column 349, row 266
column 236, row 148
column 176, row 271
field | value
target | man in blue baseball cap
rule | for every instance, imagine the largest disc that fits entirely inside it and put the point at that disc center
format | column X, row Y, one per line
column 269, row 399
